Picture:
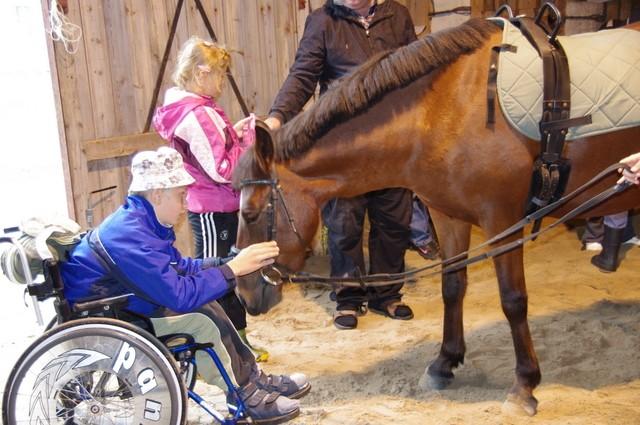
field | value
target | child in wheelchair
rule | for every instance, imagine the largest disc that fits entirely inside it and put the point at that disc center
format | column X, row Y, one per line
column 132, row 252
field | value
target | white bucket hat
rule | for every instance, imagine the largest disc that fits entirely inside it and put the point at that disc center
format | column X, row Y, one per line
column 161, row 169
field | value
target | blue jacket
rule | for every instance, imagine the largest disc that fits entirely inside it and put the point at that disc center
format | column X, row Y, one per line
column 143, row 250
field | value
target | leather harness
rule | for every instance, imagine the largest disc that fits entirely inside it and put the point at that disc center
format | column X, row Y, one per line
column 551, row 171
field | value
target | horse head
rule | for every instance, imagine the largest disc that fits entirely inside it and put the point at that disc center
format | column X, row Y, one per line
column 266, row 214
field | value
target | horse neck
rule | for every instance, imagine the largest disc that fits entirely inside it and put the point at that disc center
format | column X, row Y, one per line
column 373, row 150
column 363, row 153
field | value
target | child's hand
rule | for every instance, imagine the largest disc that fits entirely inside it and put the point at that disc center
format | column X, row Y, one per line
column 254, row 257
column 240, row 126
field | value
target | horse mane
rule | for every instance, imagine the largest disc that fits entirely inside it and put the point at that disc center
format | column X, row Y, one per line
column 381, row 74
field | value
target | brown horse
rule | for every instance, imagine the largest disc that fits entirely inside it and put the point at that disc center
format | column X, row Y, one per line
column 415, row 118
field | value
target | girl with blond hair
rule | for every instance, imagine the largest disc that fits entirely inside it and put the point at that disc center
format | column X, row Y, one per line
column 197, row 127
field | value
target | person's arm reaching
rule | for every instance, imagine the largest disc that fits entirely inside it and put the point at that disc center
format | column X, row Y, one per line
column 303, row 76
column 633, row 174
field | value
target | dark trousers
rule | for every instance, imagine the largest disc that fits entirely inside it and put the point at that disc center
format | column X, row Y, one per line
column 389, row 213
column 213, row 235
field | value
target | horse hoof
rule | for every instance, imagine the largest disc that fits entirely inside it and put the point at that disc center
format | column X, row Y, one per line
column 518, row 406
column 429, row 382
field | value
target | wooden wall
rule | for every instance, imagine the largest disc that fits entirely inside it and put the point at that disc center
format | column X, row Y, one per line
column 104, row 90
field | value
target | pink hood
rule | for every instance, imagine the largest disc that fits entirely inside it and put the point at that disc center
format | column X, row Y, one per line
column 200, row 130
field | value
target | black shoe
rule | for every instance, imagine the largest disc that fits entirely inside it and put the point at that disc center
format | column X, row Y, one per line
column 345, row 319
column 263, row 407
column 393, row 309
column 607, row 260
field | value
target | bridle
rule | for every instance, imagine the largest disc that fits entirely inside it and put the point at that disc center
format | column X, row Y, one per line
column 273, row 276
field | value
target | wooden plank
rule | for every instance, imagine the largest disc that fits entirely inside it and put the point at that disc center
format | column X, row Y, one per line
column 114, row 147
column 158, row 33
column 140, row 61
column 126, row 92
column 182, row 35
column 119, row 47
column 75, row 95
column 287, row 41
column 194, row 20
column 234, row 26
column 102, row 105
column 99, row 65
column 419, row 10
column 265, row 82
column 530, row 7
column 62, row 136
column 477, row 8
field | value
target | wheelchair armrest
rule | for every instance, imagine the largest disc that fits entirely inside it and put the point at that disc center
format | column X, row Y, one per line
column 103, row 304
column 171, row 340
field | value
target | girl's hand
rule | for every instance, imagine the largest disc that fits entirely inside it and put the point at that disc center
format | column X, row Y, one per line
column 239, row 126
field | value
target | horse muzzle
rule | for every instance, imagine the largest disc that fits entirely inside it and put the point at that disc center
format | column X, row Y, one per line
column 261, row 291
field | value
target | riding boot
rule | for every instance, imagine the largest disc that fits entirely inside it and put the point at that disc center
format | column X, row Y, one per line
column 607, row 260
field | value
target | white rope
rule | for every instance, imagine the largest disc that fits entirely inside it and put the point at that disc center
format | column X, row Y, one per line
column 62, row 29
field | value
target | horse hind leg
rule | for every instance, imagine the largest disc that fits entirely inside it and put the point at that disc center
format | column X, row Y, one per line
column 454, row 237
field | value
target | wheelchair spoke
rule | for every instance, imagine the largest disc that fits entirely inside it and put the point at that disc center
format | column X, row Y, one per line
column 95, row 372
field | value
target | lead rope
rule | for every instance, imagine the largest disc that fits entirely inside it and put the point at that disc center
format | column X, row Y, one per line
column 460, row 261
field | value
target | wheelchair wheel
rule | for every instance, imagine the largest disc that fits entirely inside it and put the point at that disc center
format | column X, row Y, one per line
column 95, row 371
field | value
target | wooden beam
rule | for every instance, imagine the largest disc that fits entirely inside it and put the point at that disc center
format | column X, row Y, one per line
column 62, row 135
column 114, row 147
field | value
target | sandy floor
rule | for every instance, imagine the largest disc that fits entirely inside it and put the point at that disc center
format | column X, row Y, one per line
column 585, row 325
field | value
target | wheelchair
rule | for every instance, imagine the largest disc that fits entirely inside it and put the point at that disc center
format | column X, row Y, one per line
column 99, row 364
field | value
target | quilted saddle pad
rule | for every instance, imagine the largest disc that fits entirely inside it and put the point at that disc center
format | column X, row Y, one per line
column 605, row 81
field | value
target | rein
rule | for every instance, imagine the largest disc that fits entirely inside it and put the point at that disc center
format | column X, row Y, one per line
column 273, row 276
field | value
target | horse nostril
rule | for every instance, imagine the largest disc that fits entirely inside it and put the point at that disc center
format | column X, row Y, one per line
column 250, row 215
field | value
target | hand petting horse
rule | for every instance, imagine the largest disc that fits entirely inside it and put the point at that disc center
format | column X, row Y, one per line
column 416, row 118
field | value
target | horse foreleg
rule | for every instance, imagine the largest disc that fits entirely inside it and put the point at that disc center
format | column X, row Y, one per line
column 454, row 236
column 513, row 297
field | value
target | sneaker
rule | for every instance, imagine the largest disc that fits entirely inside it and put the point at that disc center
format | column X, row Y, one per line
column 263, row 407
column 293, row 386
column 632, row 241
column 430, row 251
column 592, row 246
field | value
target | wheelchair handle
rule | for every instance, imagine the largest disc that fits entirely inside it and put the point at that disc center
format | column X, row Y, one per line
column 552, row 9
column 25, row 267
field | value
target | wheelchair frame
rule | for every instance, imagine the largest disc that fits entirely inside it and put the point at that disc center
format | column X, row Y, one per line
column 106, row 315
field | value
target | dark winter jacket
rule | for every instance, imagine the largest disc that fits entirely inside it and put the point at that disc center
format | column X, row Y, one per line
column 142, row 248
column 334, row 42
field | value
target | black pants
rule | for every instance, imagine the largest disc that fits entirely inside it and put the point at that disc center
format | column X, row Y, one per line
column 213, row 235
column 389, row 216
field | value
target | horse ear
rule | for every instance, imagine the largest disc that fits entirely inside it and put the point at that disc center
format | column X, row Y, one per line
column 264, row 147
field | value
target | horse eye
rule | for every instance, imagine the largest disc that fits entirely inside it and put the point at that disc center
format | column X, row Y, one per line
column 250, row 215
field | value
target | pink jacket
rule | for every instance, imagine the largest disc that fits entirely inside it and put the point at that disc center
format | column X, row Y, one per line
column 199, row 129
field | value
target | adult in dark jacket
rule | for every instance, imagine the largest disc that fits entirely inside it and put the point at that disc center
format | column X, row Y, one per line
column 132, row 252
column 338, row 37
